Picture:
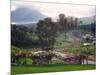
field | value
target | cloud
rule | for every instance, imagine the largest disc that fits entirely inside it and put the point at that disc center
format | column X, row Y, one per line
column 53, row 10
column 13, row 7
column 68, row 9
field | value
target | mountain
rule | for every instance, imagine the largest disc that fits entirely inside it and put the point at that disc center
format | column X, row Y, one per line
column 88, row 20
column 26, row 14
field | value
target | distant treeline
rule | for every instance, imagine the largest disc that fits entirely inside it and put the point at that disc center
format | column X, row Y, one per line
column 89, row 27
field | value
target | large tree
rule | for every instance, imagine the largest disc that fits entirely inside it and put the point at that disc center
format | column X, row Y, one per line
column 47, row 32
column 20, row 36
column 62, row 21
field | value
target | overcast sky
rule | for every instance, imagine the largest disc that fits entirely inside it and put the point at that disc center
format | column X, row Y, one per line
column 53, row 10
column 90, row 2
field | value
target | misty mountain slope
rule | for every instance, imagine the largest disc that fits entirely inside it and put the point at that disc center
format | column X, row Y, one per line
column 88, row 20
column 26, row 14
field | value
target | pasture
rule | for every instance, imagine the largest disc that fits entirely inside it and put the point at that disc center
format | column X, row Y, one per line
column 27, row 69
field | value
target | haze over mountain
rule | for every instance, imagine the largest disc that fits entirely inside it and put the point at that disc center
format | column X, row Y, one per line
column 26, row 15
column 88, row 20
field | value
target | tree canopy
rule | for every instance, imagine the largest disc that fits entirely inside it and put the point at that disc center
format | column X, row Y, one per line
column 47, row 32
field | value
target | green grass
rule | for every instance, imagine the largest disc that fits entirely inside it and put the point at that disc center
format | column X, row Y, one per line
column 48, row 68
column 62, row 41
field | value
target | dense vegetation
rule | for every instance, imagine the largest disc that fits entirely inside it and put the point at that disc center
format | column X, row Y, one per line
column 22, row 36
column 49, row 35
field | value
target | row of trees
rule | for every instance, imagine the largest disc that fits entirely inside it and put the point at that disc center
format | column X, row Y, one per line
column 47, row 29
column 67, row 23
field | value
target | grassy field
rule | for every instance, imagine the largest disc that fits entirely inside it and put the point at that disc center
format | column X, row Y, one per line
column 48, row 68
